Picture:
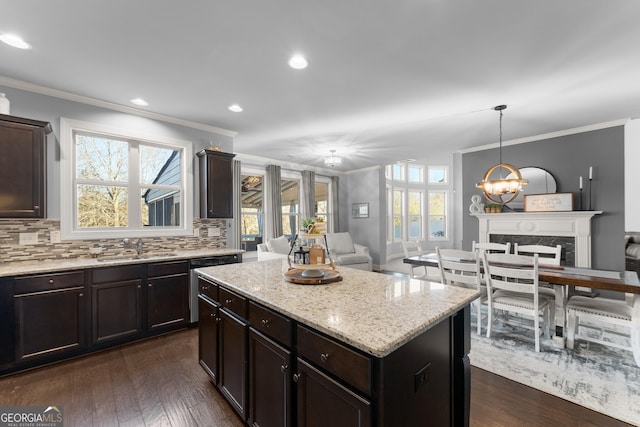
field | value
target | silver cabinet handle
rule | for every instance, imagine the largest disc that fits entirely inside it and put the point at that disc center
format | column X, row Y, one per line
column 284, row 368
column 228, row 301
column 324, row 357
column 296, row 378
column 266, row 323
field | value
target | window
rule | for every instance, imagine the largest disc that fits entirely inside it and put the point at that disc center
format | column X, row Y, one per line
column 251, row 197
column 437, row 215
column 398, row 214
column 117, row 183
column 438, row 175
column 290, row 190
column 322, row 201
column 415, row 215
column 409, row 215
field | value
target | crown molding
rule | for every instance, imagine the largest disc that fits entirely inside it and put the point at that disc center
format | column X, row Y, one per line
column 42, row 90
column 573, row 131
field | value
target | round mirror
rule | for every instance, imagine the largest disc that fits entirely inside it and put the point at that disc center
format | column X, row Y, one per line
column 540, row 182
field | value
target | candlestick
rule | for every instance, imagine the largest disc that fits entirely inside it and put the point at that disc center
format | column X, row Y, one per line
column 580, row 200
column 590, row 173
column 580, row 183
column 589, row 193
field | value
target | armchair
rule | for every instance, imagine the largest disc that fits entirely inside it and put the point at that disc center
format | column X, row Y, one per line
column 345, row 252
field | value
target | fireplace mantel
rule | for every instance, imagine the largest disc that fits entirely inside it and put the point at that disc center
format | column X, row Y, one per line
column 576, row 224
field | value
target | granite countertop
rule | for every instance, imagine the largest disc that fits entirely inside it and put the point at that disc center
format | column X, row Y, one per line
column 32, row 267
column 376, row 313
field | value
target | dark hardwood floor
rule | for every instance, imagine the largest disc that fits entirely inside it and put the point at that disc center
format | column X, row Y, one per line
column 160, row 383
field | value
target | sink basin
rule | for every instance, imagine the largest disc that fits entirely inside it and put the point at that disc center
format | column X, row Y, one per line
column 134, row 257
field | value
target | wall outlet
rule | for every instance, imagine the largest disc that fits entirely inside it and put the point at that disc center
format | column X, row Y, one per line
column 54, row 237
column 196, row 232
column 29, row 238
column 214, row 231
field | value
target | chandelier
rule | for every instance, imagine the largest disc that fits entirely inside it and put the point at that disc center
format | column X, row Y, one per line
column 332, row 160
column 495, row 189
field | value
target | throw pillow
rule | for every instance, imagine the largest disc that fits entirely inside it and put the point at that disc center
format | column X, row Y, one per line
column 279, row 245
column 340, row 243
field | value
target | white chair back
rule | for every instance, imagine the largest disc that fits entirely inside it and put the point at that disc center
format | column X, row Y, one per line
column 411, row 248
column 548, row 255
column 491, row 247
column 460, row 268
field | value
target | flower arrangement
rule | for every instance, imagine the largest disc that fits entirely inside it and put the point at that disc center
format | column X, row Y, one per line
column 314, row 225
column 493, row 207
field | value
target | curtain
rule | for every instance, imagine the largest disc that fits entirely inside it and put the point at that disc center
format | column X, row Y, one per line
column 309, row 194
column 273, row 203
column 236, row 224
column 335, row 214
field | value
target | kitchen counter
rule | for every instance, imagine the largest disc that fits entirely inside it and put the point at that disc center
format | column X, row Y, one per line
column 33, row 267
column 375, row 313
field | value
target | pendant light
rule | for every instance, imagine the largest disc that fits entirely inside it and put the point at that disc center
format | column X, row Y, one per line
column 495, row 189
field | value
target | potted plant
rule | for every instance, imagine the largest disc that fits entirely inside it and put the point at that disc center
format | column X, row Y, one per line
column 493, row 207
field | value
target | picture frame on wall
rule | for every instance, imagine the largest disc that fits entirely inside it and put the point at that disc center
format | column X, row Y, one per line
column 360, row 210
column 551, row 202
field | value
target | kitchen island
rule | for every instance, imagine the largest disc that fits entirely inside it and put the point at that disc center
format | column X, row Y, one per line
column 370, row 350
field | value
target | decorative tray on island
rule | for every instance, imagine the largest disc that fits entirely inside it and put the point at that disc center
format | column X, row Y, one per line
column 297, row 275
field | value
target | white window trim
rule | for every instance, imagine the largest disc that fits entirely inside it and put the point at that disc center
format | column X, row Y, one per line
column 67, row 190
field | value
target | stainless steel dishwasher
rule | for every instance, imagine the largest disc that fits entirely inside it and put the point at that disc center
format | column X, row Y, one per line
column 193, row 286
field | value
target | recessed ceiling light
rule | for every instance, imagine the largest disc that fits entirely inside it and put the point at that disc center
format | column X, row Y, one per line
column 139, row 101
column 15, row 41
column 298, row 62
column 236, row 108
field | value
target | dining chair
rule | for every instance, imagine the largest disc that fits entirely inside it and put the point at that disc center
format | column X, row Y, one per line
column 606, row 318
column 547, row 255
column 462, row 268
column 512, row 286
column 413, row 248
column 492, row 247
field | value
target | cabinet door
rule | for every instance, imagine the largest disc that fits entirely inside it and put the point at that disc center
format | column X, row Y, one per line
column 49, row 322
column 117, row 311
column 208, row 318
column 168, row 302
column 233, row 361
column 22, row 144
column 216, row 184
column 323, row 402
column 269, row 382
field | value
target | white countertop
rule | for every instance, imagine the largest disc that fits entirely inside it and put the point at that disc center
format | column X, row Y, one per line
column 374, row 312
column 32, row 267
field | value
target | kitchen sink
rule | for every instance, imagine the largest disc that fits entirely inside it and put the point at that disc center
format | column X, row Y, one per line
column 134, row 257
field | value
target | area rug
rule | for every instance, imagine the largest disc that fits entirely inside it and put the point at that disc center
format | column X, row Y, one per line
column 597, row 377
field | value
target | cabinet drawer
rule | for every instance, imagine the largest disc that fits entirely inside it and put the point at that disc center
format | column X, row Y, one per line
column 270, row 323
column 48, row 282
column 208, row 288
column 233, row 302
column 344, row 363
column 167, row 268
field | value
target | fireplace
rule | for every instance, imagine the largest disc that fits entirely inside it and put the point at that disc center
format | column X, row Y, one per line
column 571, row 229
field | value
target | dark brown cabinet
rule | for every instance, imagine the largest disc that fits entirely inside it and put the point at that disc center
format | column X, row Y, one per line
column 116, row 298
column 270, row 368
column 167, row 295
column 23, row 164
column 324, row 402
column 208, row 318
column 50, row 315
column 216, row 184
column 233, row 352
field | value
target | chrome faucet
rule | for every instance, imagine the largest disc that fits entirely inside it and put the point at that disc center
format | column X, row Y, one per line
column 126, row 242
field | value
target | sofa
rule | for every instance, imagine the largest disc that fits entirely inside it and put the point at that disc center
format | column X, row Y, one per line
column 632, row 252
column 345, row 252
column 277, row 248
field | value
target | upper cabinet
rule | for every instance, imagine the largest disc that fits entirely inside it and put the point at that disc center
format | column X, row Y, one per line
column 216, row 184
column 23, row 167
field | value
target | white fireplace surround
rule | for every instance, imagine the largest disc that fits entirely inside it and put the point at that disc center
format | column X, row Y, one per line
column 576, row 224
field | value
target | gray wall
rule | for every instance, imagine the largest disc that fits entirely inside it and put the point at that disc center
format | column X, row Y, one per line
column 566, row 158
column 41, row 107
column 365, row 186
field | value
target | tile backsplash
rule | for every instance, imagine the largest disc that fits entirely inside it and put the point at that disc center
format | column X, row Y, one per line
column 12, row 250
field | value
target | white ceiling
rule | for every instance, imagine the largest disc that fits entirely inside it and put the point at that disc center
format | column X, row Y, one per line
column 388, row 80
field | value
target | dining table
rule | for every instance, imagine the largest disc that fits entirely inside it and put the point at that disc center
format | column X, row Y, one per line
column 564, row 280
